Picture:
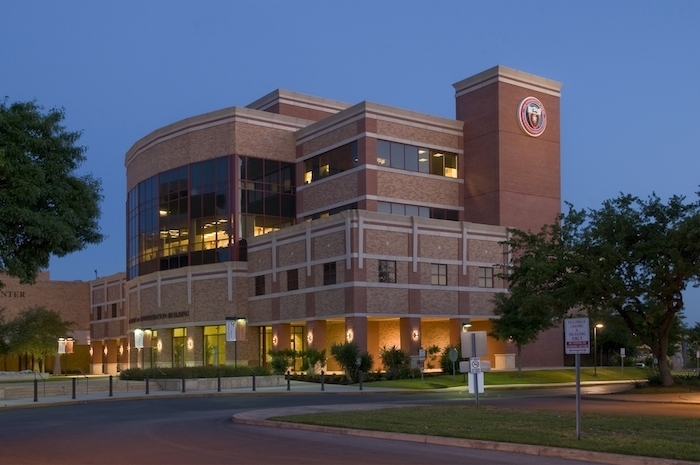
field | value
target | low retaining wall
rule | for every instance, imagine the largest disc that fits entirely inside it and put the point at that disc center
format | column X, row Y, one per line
column 211, row 384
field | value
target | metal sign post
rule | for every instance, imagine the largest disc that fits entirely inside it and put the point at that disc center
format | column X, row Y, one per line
column 475, row 363
column 577, row 341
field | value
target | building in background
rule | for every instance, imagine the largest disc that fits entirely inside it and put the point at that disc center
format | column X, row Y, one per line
column 310, row 222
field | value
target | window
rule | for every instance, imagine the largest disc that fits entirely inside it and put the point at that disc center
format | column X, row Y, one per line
column 438, row 274
column 99, row 313
column 333, row 162
column 114, row 310
column 292, row 280
column 417, row 159
column 328, row 273
column 414, row 210
column 387, row 271
column 485, row 277
column 260, row 285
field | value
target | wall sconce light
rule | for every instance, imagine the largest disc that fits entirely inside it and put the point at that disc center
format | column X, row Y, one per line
column 190, row 343
column 105, row 350
column 121, row 350
column 349, row 335
column 466, row 325
column 309, row 337
column 274, row 340
column 159, row 345
column 415, row 335
column 90, row 351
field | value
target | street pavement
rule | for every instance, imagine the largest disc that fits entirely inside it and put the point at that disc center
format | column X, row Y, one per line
column 122, row 391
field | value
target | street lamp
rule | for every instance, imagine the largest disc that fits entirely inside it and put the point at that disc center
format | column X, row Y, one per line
column 595, row 348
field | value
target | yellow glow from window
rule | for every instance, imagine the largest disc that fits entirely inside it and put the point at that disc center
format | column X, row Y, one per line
column 308, row 177
column 381, row 161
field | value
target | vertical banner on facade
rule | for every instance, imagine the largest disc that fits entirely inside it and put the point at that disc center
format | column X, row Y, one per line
column 69, row 345
column 61, row 346
column 235, row 329
column 231, row 331
column 138, row 339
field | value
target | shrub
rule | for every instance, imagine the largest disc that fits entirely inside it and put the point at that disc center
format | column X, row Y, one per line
column 311, row 358
column 225, row 371
column 282, row 360
column 395, row 361
column 446, row 363
column 346, row 355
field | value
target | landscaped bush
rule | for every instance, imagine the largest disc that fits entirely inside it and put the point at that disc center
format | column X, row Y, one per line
column 690, row 380
column 226, row 371
column 346, row 355
column 282, row 360
column 396, row 362
column 446, row 363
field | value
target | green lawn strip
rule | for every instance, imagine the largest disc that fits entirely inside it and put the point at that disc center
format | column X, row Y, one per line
column 652, row 436
column 567, row 375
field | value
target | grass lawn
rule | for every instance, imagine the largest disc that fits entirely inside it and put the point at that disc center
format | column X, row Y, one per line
column 665, row 437
column 567, row 375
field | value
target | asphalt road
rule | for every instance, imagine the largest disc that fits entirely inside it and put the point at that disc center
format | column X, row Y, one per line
column 199, row 430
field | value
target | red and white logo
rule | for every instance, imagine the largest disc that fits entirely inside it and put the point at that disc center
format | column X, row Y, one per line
column 532, row 116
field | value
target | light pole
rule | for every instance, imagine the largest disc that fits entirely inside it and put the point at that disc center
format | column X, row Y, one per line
column 595, row 348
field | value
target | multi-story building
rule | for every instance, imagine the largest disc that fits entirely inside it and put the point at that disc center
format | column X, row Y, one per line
column 311, row 222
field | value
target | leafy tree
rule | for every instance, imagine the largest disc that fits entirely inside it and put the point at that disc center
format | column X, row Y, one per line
column 538, row 295
column 4, row 335
column 47, row 209
column 631, row 259
column 35, row 332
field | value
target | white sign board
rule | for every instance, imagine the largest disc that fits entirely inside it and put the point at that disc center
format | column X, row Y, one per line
column 421, row 354
column 622, row 352
column 466, row 339
column 577, row 336
column 480, row 382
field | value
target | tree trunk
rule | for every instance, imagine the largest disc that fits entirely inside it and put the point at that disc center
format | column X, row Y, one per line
column 664, row 368
column 520, row 361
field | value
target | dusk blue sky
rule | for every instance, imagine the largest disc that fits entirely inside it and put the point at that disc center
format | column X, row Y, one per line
column 121, row 69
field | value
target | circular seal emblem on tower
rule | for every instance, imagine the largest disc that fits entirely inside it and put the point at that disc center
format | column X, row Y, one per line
column 532, row 116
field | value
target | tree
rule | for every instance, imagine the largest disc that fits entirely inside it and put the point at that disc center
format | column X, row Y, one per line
column 35, row 332
column 47, row 209
column 538, row 296
column 631, row 259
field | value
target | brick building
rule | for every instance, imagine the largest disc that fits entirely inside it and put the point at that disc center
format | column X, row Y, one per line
column 311, row 221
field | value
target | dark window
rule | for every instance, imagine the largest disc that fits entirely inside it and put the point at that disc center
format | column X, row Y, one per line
column 438, row 274
column 328, row 273
column 387, row 271
column 99, row 313
column 330, row 163
column 260, row 285
column 114, row 310
column 485, row 277
column 292, row 280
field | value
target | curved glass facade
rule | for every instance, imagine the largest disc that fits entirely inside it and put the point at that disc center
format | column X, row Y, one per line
column 188, row 216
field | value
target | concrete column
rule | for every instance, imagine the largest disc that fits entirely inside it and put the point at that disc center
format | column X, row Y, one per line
column 112, row 356
column 455, row 331
column 317, row 330
column 356, row 331
column 96, row 364
column 410, row 335
column 281, row 334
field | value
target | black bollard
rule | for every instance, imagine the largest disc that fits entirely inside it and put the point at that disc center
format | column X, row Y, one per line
column 323, row 379
column 36, row 390
column 183, row 382
column 360, row 380
column 218, row 382
column 110, row 385
column 74, row 381
column 288, row 381
column 253, row 381
column 146, row 383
